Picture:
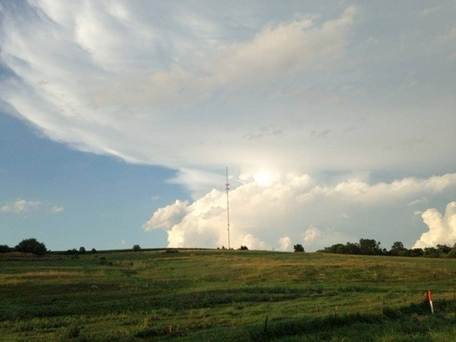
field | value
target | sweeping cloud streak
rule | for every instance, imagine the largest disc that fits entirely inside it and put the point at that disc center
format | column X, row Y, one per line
column 337, row 122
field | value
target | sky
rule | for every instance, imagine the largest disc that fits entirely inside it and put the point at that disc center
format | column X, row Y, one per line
column 336, row 121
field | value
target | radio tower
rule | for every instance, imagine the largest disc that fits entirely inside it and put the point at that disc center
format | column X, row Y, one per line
column 228, row 207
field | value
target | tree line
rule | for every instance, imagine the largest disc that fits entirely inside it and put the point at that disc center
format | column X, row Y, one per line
column 26, row 246
column 363, row 247
column 372, row 247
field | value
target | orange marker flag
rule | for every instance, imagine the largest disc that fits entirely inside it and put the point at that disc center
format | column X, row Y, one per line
column 429, row 299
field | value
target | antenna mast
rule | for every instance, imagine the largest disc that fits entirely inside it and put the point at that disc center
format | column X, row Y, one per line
column 228, row 207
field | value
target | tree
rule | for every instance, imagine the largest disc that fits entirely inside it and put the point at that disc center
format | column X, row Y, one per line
column 352, row 248
column 443, row 249
column 452, row 253
column 136, row 248
column 431, row 252
column 298, row 248
column 31, row 246
column 82, row 250
column 398, row 249
column 244, row 248
column 5, row 249
column 369, row 247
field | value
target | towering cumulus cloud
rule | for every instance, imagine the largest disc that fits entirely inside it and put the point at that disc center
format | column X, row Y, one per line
column 310, row 213
column 442, row 229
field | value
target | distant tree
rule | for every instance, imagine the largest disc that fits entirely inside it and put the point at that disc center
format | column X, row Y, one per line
column 369, row 247
column 5, row 249
column 431, row 252
column 452, row 253
column 73, row 252
column 244, row 248
column 136, row 248
column 31, row 246
column 337, row 248
column 415, row 252
column 443, row 250
column 398, row 249
column 298, row 248
column 82, row 250
column 352, row 248
column 93, row 251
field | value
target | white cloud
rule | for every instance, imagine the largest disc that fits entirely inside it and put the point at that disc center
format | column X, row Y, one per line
column 182, row 88
column 311, row 234
column 19, row 206
column 442, row 229
column 167, row 217
column 56, row 209
column 24, row 206
column 260, row 215
column 86, row 79
column 251, row 242
column 284, row 48
column 284, row 243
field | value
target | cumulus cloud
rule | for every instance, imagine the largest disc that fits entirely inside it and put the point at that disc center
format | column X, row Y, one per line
column 311, row 234
column 296, row 205
column 442, row 228
column 284, row 243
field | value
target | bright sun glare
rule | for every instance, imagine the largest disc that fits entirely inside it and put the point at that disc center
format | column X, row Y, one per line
column 263, row 178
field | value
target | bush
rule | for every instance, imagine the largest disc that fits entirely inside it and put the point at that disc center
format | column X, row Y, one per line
column 31, row 246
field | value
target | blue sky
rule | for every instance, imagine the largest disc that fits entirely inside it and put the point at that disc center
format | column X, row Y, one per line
column 75, row 199
column 336, row 120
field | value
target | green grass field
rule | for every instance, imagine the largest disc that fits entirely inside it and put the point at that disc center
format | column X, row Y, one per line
column 220, row 295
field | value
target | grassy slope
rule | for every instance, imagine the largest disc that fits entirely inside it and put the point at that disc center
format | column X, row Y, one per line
column 225, row 295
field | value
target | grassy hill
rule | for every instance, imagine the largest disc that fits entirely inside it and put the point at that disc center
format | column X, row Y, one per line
column 220, row 295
